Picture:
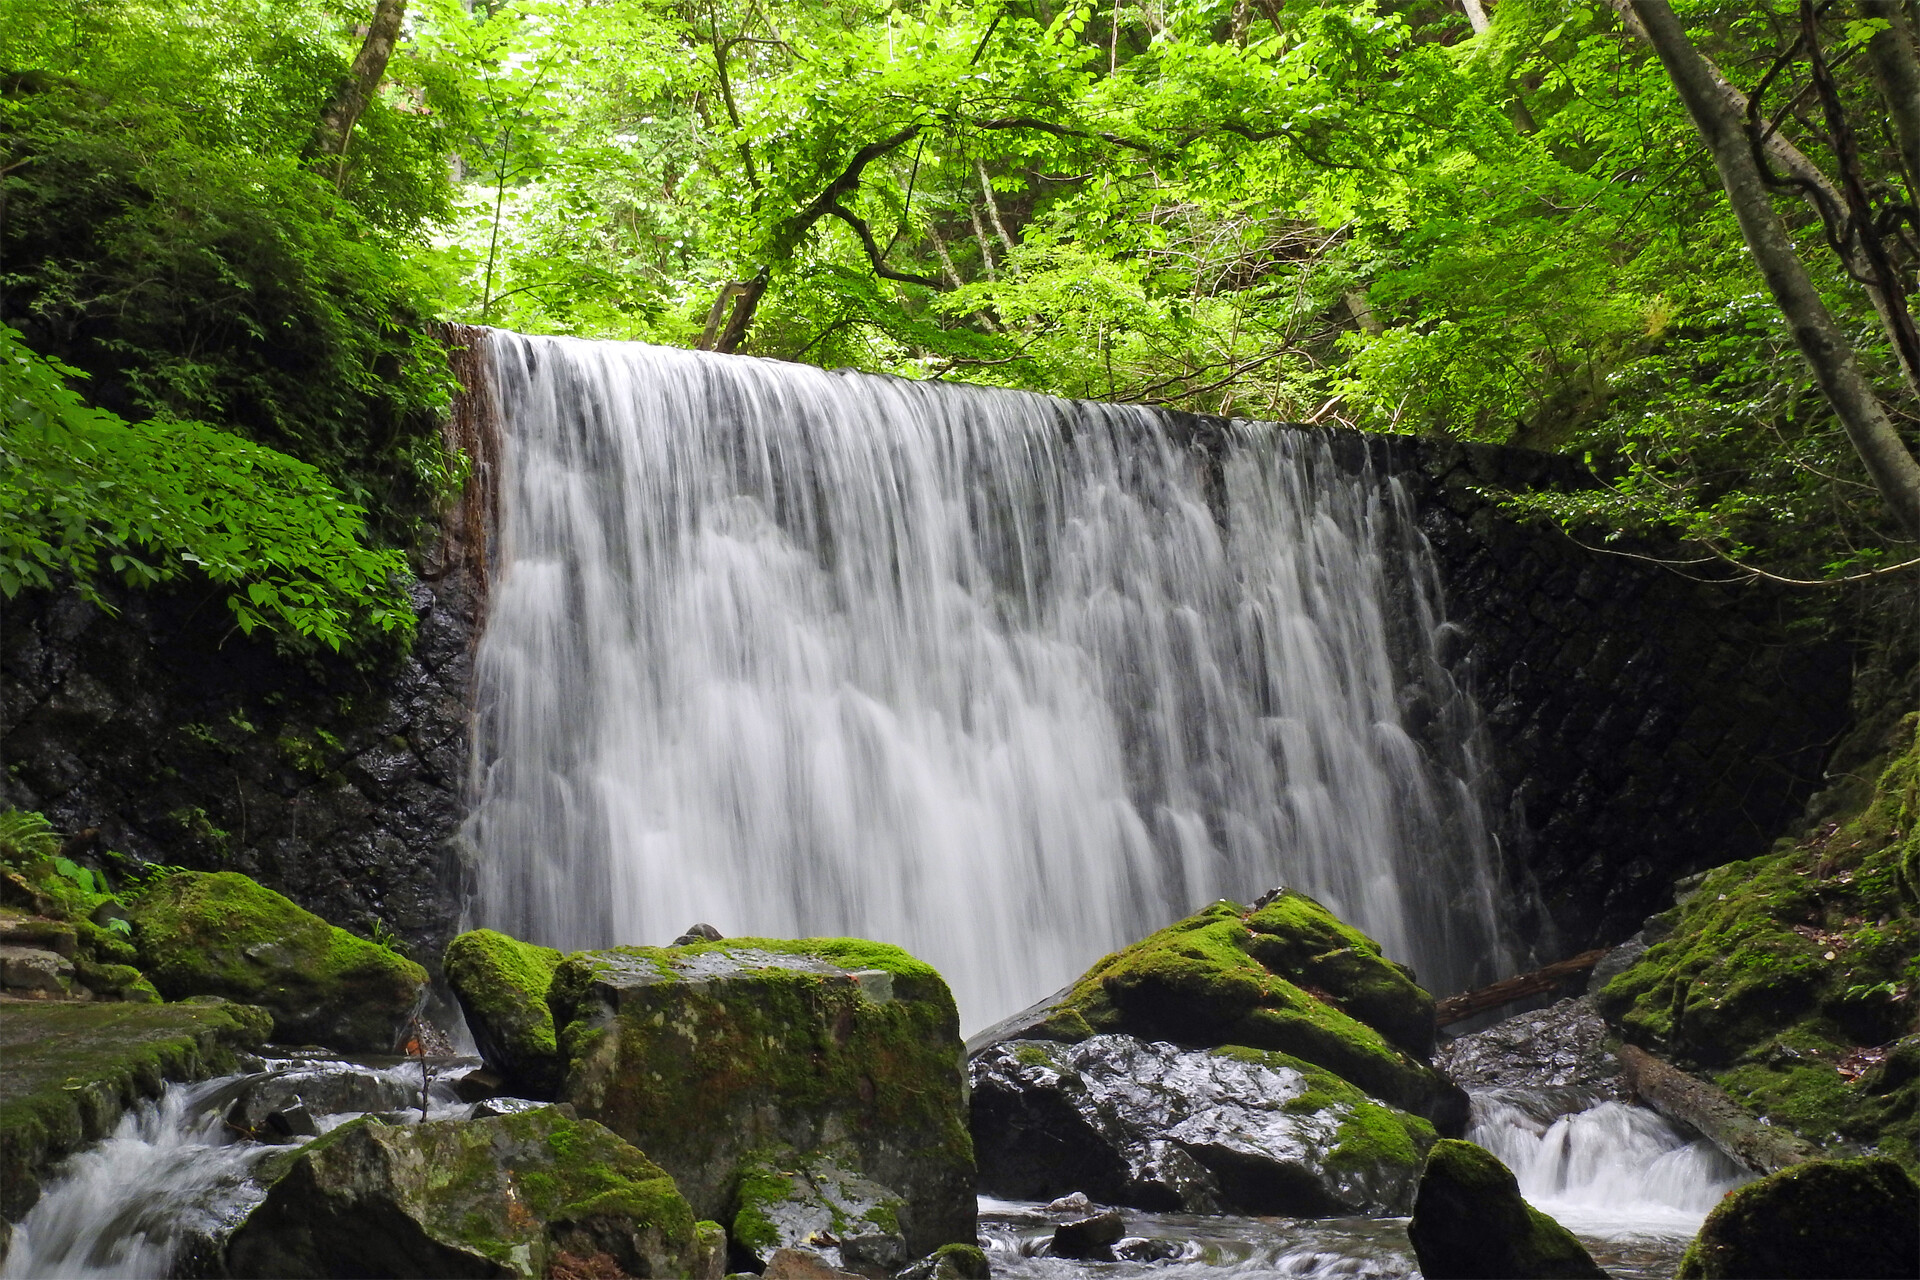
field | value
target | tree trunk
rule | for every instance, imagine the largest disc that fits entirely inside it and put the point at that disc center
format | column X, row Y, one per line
column 356, row 91
column 1890, row 464
column 1896, row 69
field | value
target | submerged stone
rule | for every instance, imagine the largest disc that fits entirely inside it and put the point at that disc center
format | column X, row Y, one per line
column 502, row 984
column 1230, row 1130
column 710, row 1054
column 221, row 934
column 1471, row 1223
column 1856, row 1218
column 1287, row 976
column 526, row 1195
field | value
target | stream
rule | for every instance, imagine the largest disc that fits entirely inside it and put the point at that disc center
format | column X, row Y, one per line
column 157, row 1197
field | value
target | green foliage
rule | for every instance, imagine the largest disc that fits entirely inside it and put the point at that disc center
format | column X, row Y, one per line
column 84, row 494
column 26, row 836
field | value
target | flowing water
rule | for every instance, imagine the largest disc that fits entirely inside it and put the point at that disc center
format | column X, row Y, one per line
column 1007, row 680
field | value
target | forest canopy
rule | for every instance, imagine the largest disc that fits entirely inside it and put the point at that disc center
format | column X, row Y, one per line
column 1491, row 222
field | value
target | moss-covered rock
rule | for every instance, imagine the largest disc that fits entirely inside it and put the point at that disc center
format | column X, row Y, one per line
column 704, row 1054
column 951, row 1262
column 515, row 1195
column 1782, row 976
column 70, row 1069
column 1158, row 1127
column 1855, row 1218
column 502, row 984
column 1288, row 977
column 815, row 1200
column 1471, row 1223
column 222, row 934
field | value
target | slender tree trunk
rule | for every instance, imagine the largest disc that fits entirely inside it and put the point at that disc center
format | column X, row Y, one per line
column 1889, row 462
column 362, row 81
column 1896, row 69
column 1476, row 14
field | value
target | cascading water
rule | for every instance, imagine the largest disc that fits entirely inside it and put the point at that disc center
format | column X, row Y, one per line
column 1007, row 680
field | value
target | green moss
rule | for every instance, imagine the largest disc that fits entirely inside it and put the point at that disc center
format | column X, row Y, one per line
column 1371, row 1136
column 1744, row 987
column 502, row 985
column 222, row 934
column 960, row 1262
column 1469, row 1220
column 761, row 1186
column 1823, row 1218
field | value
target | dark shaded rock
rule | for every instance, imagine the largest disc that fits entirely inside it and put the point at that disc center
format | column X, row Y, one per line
column 1828, row 1218
column 500, row 1197
column 804, row 1264
column 1470, row 1223
column 709, row 1054
column 1207, row 1131
column 1226, row 975
column 502, row 984
column 1563, row 1046
column 807, row 1201
column 697, row 933
column 951, row 1262
column 222, row 934
column 1090, row 1238
column 122, row 1053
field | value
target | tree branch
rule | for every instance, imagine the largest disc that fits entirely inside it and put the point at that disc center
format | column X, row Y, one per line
column 355, row 92
column 874, row 256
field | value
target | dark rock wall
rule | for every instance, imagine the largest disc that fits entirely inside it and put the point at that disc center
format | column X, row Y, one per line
column 1642, row 725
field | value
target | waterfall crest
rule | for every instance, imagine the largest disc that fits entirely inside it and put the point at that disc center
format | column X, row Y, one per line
column 1004, row 679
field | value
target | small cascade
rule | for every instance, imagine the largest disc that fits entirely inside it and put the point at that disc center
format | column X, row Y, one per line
column 1604, row 1169
column 1006, row 680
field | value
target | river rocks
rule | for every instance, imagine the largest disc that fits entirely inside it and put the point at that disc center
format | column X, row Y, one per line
column 951, row 1262
column 1206, row 1131
column 71, row 1069
column 708, row 1055
column 816, row 1202
column 1091, row 1238
column 1285, row 976
column 502, row 984
column 1561, row 1047
column 530, row 1195
column 222, row 934
column 1470, row 1223
column 1852, row 1218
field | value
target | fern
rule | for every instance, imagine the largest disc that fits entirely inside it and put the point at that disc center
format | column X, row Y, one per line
column 26, row 836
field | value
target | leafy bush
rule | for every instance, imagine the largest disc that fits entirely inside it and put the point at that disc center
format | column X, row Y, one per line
column 84, row 493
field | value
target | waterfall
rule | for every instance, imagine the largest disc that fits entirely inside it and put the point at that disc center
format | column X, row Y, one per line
column 1007, row 680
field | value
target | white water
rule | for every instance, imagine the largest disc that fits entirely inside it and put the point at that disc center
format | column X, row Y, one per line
column 1606, row 1170
column 1006, row 680
column 126, row 1207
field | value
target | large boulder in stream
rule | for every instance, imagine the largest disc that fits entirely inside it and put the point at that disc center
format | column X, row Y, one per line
column 1471, row 1223
column 1227, row 1130
column 1853, row 1218
column 1285, row 976
column 536, row 1194
column 221, row 934
column 502, row 985
column 710, row 1056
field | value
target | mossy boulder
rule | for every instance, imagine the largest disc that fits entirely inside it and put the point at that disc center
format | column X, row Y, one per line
column 1781, row 976
column 528, row 1195
column 1155, row 1126
column 70, row 1069
column 706, row 1054
column 221, row 934
column 1288, row 977
column 806, row 1200
column 1471, row 1223
column 502, row 984
column 951, row 1262
column 1854, row 1218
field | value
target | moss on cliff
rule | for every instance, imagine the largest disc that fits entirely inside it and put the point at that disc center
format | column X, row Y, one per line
column 1788, row 977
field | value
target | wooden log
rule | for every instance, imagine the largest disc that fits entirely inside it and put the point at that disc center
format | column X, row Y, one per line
column 1507, row 990
column 1690, row 1101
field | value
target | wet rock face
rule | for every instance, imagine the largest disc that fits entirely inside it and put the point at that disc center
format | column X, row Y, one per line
column 527, row 1195
column 1824, row 1218
column 1205, row 1131
column 708, row 1056
column 1562, row 1047
column 181, row 745
column 1471, row 1223
column 1286, row 976
column 817, row 1202
column 221, row 934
